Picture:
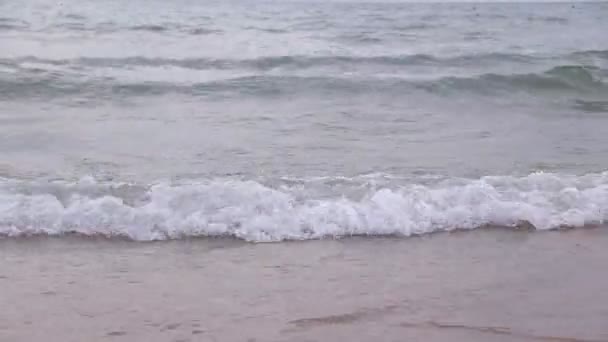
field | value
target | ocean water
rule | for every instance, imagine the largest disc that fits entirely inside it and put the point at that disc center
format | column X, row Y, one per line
column 276, row 120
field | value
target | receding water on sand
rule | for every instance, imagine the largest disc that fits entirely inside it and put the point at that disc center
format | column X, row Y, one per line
column 492, row 284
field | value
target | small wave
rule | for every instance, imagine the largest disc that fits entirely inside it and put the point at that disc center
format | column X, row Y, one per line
column 9, row 24
column 591, row 106
column 577, row 73
column 266, row 29
column 414, row 27
column 75, row 16
column 602, row 54
column 112, row 27
column 8, row 27
column 54, row 87
column 302, row 62
column 548, row 19
column 292, row 62
column 561, row 78
column 199, row 31
column 252, row 211
column 150, row 28
column 31, row 76
column 361, row 38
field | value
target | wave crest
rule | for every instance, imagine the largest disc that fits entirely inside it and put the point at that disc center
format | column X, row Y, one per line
column 252, row 211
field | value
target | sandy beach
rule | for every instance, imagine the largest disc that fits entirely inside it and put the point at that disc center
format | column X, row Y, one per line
column 484, row 285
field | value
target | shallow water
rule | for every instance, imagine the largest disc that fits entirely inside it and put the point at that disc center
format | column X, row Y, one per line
column 485, row 285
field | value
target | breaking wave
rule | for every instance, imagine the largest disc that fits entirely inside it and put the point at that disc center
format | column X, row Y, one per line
column 262, row 211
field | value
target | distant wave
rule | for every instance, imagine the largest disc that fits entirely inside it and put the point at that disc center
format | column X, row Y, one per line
column 564, row 77
column 550, row 19
column 8, row 24
column 80, row 24
column 88, row 23
column 253, row 211
column 300, row 62
column 35, row 80
column 603, row 54
column 295, row 62
column 151, row 28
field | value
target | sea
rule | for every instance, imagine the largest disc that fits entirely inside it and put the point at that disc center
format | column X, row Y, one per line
column 302, row 156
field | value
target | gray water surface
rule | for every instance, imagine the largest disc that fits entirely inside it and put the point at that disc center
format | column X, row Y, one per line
column 149, row 90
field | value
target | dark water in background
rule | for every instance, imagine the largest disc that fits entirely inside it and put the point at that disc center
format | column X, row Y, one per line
column 275, row 120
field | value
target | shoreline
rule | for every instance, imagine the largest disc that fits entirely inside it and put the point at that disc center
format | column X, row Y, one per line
column 524, row 227
column 494, row 283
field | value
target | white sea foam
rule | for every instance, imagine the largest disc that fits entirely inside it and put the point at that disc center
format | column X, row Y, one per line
column 255, row 212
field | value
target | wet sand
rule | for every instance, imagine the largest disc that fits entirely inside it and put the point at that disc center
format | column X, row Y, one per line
column 484, row 285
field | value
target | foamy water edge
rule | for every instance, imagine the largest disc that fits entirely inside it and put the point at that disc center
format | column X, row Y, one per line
column 252, row 211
